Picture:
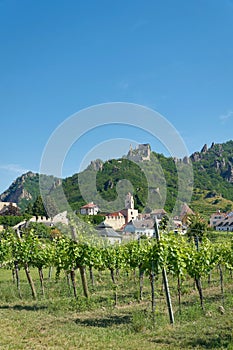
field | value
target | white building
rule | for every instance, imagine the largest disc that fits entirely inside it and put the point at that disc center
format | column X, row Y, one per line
column 106, row 232
column 89, row 209
column 138, row 228
column 222, row 222
column 216, row 218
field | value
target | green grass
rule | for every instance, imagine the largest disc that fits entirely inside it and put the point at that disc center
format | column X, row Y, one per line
column 220, row 236
column 58, row 321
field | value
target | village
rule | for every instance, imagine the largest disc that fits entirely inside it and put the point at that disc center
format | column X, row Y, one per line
column 128, row 223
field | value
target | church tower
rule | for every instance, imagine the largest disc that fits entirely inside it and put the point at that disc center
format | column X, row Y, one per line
column 129, row 201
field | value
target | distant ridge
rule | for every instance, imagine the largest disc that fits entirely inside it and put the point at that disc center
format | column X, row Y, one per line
column 213, row 179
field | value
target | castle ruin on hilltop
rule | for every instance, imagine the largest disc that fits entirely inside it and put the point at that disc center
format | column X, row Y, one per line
column 140, row 154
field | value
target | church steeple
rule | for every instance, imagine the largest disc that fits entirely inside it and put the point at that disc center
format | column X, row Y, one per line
column 129, row 201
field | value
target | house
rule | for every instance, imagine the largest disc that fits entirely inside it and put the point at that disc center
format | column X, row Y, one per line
column 155, row 214
column 178, row 226
column 89, row 209
column 216, row 218
column 137, row 228
column 185, row 210
column 158, row 214
column 222, row 221
column 225, row 225
column 106, row 231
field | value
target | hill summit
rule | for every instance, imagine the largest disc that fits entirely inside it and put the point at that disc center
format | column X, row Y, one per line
column 212, row 169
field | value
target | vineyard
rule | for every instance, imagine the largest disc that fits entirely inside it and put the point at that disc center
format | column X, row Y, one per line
column 84, row 274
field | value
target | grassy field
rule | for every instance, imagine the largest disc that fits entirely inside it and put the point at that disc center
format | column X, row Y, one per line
column 58, row 321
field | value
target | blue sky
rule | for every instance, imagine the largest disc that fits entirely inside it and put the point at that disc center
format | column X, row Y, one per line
column 58, row 57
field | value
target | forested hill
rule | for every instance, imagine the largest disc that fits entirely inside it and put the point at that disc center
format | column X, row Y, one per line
column 213, row 180
column 213, row 168
column 25, row 189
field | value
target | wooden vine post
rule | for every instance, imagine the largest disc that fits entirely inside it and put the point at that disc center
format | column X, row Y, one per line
column 81, row 267
column 165, row 281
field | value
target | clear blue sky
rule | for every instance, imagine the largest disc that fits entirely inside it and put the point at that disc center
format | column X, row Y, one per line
column 58, row 57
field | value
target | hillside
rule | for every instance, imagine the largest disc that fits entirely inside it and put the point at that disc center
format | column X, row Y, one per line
column 213, row 185
column 207, row 202
column 213, row 169
column 151, row 177
column 25, row 189
column 106, row 179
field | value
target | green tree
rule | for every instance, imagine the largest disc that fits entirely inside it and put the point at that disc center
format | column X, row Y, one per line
column 164, row 222
column 38, row 208
column 8, row 220
column 197, row 227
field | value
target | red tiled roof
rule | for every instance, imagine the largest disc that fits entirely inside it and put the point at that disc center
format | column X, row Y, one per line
column 89, row 205
column 116, row 213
